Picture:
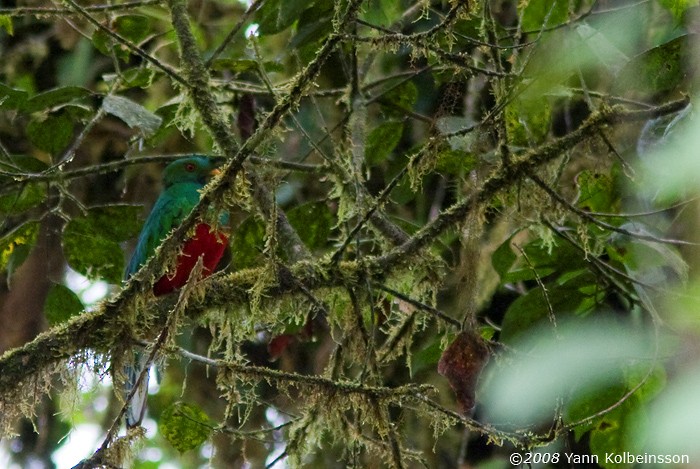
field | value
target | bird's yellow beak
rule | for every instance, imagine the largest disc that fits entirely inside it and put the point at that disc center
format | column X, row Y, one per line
column 214, row 172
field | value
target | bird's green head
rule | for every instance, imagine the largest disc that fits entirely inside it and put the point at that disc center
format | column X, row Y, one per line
column 191, row 169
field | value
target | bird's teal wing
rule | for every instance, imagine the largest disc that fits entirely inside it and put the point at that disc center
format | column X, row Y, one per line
column 173, row 206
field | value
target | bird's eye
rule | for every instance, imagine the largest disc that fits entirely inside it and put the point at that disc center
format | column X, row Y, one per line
column 189, row 167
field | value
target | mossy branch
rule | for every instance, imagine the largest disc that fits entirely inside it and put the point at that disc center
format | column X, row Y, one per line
column 100, row 330
column 503, row 179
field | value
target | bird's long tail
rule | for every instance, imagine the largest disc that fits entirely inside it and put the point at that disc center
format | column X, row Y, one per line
column 136, row 406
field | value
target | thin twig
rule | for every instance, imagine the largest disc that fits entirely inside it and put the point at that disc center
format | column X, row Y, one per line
column 587, row 216
column 130, row 45
column 42, row 11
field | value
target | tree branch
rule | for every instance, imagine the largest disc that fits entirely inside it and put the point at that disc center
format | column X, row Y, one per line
column 504, row 178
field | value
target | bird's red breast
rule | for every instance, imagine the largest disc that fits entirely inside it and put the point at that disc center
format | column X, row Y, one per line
column 207, row 243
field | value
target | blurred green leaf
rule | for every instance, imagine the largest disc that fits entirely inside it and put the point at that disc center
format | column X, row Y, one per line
column 277, row 15
column 678, row 7
column 78, row 67
column 135, row 115
column 245, row 65
column 20, row 164
column 91, row 242
column 403, row 193
column 578, row 358
column 133, row 27
column 674, row 420
column 575, row 294
column 61, row 304
column 657, row 70
column 382, row 12
column 540, row 14
column 185, row 426
column 247, row 242
column 11, row 98
column 455, row 162
column 16, row 245
column 141, row 77
column 51, row 134
column 235, row 65
column 528, row 121
column 313, row 221
column 102, row 42
column 543, row 260
column 503, row 257
column 55, row 97
column 613, row 432
column 607, row 53
column 6, row 24
column 596, row 192
column 27, row 196
column 403, row 96
column 650, row 262
column 314, row 24
column 382, row 140
column 427, row 357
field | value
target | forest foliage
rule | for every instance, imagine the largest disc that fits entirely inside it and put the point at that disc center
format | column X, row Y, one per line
column 459, row 230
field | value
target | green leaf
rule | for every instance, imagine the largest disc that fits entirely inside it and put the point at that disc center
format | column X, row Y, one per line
column 133, row 27
column 538, row 14
column 55, row 97
column 313, row 221
column 614, row 432
column 52, row 134
column 19, row 164
column 570, row 296
column 657, row 70
column 28, row 196
column 102, row 42
column 678, row 7
column 403, row 96
column 455, row 161
column 314, row 23
column 247, row 243
column 77, row 68
column 596, row 192
column 403, row 193
column 61, row 304
column 579, row 358
column 185, row 426
column 503, row 258
column 117, row 222
column 545, row 261
column 6, row 24
column 528, row 121
column 16, row 245
column 141, row 77
column 135, row 115
column 426, row 358
column 606, row 52
column 11, row 98
column 382, row 13
column 650, row 262
column 91, row 242
column 382, row 140
column 277, row 15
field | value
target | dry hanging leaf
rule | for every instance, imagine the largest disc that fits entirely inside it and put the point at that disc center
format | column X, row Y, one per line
column 461, row 363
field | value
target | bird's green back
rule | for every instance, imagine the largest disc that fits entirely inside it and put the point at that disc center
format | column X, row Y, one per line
column 183, row 180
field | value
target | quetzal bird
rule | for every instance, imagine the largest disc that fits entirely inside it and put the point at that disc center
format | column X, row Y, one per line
column 182, row 181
